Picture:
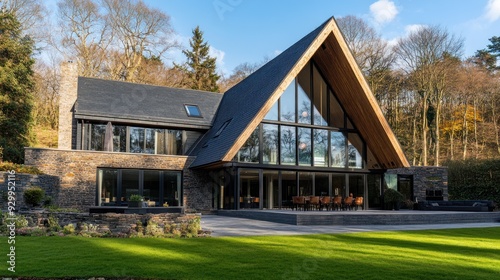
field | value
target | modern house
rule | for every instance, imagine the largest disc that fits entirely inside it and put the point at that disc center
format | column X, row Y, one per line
column 305, row 123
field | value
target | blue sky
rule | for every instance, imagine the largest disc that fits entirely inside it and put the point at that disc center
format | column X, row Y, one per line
column 248, row 30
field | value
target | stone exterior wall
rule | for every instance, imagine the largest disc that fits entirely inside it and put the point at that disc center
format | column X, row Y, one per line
column 25, row 181
column 67, row 98
column 76, row 171
column 109, row 222
column 425, row 177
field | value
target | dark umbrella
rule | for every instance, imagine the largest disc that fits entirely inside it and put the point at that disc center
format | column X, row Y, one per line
column 108, row 138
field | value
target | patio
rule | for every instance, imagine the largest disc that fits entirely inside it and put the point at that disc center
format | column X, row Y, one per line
column 366, row 217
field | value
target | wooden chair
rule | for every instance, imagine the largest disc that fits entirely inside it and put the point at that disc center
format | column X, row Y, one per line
column 347, row 203
column 324, row 202
column 255, row 202
column 314, row 202
column 359, row 202
column 337, row 202
column 298, row 201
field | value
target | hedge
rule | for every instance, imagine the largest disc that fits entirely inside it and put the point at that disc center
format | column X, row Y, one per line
column 474, row 179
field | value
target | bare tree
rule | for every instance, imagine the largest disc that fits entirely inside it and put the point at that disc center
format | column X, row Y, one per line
column 31, row 14
column 371, row 52
column 423, row 54
column 46, row 112
column 140, row 31
column 85, row 35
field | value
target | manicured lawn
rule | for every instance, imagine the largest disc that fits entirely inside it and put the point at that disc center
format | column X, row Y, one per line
column 430, row 254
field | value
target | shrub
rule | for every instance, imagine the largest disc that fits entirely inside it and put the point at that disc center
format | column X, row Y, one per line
column 52, row 224
column 136, row 197
column 391, row 195
column 19, row 168
column 69, row 229
column 33, row 196
column 47, row 201
column 153, row 229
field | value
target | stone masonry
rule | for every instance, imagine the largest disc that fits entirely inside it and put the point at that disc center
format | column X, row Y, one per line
column 425, row 177
column 76, row 173
column 68, row 93
column 25, row 181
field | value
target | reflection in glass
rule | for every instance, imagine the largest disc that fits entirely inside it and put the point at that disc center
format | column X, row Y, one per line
column 172, row 188
column 320, row 98
column 304, row 94
column 320, row 137
column 272, row 115
column 97, row 138
column 338, row 185
column 119, row 138
column 288, row 104
column 130, row 183
column 136, row 140
column 249, row 152
column 356, row 185
column 108, row 186
column 270, row 143
column 151, row 191
column 288, row 145
column 338, row 149
column 355, row 150
column 336, row 112
column 304, row 140
column 150, row 141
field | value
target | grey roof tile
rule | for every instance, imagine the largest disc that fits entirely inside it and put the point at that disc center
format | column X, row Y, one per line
column 136, row 103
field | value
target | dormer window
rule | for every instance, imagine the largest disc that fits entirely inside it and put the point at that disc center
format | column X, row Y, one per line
column 192, row 111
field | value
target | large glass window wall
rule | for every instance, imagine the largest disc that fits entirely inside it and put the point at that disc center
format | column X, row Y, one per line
column 133, row 139
column 115, row 186
column 306, row 127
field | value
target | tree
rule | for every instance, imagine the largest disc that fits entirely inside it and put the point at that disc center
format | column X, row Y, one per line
column 200, row 66
column 85, row 35
column 16, row 88
column 140, row 32
column 426, row 55
column 371, row 52
column 31, row 15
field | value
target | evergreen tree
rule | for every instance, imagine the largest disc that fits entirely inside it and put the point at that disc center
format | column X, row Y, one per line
column 200, row 67
column 16, row 88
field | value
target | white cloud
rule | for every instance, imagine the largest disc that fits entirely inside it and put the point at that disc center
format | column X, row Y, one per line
column 493, row 10
column 413, row 28
column 383, row 11
column 219, row 55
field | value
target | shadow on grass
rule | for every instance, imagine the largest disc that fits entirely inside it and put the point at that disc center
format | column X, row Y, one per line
column 362, row 256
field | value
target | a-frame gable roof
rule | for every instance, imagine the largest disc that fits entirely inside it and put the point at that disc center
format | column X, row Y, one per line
column 244, row 106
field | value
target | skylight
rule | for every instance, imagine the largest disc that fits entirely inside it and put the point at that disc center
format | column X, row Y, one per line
column 192, row 110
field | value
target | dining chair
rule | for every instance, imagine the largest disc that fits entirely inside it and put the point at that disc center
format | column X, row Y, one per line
column 337, row 202
column 314, row 202
column 347, row 205
column 325, row 202
column 358, row 201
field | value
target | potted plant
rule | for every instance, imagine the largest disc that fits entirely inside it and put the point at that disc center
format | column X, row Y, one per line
column 135, row 200
column 393, row 199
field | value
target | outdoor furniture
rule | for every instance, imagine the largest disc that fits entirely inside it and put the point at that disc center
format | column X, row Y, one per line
column 358, row 201
column 347, row 205
column 255, row 202
column 337, row 202
column 298, row 201
column 324, row 202
column 314, row 202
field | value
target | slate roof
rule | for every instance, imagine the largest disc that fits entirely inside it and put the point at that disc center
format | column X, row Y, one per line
column 132, row 103
column 242, row 102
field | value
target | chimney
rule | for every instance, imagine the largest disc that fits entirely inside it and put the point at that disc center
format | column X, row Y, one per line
column 67, row 99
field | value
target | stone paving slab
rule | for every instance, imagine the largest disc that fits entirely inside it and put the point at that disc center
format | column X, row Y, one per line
column 230, row 226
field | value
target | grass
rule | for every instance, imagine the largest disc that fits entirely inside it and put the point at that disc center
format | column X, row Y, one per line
column 429, row 254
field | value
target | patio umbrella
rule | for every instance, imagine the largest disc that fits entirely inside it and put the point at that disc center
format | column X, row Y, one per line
column 108, row 138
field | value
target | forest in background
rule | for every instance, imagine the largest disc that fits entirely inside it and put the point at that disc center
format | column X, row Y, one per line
column 441, row 106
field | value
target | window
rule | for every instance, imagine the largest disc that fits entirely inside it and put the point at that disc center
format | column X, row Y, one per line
column 192, row 110
column 135, row 139
column 115, row 186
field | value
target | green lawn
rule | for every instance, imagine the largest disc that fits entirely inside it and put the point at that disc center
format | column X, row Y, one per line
column 430, row 254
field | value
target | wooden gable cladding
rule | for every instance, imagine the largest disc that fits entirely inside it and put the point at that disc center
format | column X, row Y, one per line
column 341, row 71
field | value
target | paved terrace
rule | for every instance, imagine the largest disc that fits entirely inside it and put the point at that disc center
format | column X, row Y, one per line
column 364, row 217
column 230, row 226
